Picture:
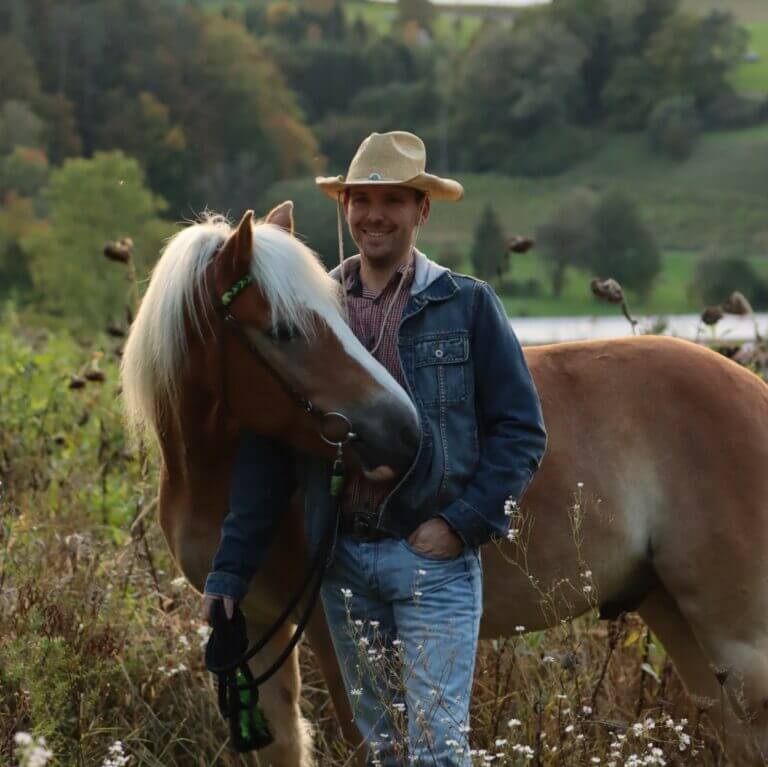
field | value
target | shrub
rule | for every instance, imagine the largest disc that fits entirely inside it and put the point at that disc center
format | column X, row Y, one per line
column 673, row 127
column 625, row 248
column 717, row 277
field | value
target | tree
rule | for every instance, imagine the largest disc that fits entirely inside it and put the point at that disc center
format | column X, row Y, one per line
column 23, row 171
column 92, row 201
column 514, row 83
column 624, row 247
column 141, row 126
column 17, row 220
column 420, row 11
column 490, row 250
column 19, row 126
column 568, row 237
column 673, row 127
column 716, row 277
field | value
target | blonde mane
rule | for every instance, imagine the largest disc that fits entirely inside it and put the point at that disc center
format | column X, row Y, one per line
column 289, row 274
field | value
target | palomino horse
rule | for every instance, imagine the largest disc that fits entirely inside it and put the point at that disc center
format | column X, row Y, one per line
column 659, row 444
column 192, row 383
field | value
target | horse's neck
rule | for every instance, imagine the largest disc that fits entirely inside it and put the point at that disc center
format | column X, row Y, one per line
column 197, row 452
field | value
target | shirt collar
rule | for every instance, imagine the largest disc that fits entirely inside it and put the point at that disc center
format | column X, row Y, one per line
column 354, row 284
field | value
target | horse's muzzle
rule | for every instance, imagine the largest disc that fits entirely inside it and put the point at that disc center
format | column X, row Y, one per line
column 387, row 437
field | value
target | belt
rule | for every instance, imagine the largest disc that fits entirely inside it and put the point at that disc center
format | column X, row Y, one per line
column 361, row 527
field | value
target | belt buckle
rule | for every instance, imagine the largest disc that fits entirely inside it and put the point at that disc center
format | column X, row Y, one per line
column 362, row 526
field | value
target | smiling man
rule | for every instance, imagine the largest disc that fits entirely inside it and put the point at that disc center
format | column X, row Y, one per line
column 403, row 595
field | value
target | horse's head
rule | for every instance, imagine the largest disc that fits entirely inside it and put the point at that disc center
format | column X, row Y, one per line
column 263, row 335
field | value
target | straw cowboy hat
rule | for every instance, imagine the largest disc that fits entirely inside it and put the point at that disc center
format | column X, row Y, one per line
column 396, row 158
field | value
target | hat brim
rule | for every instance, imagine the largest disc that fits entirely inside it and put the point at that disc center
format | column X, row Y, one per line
column 437, row 188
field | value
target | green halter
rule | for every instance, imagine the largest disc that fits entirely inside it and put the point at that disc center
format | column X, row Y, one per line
column 230, row 295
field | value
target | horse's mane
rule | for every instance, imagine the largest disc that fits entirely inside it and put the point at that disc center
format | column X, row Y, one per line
column 289, row 274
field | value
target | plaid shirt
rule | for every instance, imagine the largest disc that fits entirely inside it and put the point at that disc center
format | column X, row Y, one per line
column 367, row 312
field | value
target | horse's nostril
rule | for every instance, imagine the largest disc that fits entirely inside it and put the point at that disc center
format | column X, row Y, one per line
column 410, row 437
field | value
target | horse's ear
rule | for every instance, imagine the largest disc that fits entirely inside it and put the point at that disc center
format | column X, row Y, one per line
column 282, row 216
column 242, row 240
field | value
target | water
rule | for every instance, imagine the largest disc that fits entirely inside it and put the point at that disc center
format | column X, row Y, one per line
column 545, row 330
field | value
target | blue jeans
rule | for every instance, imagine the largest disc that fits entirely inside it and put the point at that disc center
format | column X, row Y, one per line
column 405, row 629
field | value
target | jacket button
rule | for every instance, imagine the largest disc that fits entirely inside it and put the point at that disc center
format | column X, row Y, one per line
column 438, row 352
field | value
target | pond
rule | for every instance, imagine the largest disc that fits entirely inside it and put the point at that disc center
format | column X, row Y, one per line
column 545, row 330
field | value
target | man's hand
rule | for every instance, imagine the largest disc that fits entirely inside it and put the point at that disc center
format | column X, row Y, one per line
column 209, row 599
column 436, row 538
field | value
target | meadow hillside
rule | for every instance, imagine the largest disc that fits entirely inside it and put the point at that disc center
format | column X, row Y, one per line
column 713, row 204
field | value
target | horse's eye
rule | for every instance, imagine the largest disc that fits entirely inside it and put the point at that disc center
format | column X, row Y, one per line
column 283, row 332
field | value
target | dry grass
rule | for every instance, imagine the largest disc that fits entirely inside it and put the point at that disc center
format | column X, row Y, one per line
column 99, row 639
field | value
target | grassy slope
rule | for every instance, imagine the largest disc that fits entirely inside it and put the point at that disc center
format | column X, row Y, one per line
column 715, row 199
column 713, row 203
column 752, row 76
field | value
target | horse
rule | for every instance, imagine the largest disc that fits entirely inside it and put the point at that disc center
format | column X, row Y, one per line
column 310, row 383
column 652, row 481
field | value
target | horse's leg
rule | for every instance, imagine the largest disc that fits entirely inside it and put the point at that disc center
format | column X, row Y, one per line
column 662, row 614
column 279, row 700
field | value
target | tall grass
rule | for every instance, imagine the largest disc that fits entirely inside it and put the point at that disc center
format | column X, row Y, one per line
column 100, row 640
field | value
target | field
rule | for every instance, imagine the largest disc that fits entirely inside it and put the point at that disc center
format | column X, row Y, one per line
column 752, row 76
column 712, row 204
column 100, row 640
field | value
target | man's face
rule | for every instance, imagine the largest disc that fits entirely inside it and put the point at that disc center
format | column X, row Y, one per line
column 382, row 220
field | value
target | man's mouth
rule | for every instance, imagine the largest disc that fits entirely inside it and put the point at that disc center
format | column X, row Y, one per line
column 376, row 235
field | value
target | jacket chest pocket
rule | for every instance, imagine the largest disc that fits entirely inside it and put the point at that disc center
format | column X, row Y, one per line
column 441, row 363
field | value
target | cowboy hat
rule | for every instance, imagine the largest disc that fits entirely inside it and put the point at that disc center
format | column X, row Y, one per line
column 396, row 158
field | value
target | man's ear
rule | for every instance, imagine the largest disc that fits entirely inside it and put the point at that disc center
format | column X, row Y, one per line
column 240, row 243
column 425, row 209
column 282, row 216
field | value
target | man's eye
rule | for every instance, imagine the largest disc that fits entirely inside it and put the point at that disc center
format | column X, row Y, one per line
column 283, row 332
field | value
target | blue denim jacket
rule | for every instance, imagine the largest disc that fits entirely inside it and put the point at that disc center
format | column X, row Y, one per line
column 482, row 439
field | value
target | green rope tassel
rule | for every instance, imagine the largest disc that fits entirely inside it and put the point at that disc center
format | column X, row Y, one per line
column 337, row 478
column 254, row 729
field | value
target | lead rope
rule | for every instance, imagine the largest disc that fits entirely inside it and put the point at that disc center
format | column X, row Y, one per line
column 393, row 300
column 340, row 235
column 238, row 688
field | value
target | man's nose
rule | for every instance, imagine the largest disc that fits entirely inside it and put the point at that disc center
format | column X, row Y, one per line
column 375, row 214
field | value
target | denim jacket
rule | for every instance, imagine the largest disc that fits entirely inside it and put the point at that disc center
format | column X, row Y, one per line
column 482, row 433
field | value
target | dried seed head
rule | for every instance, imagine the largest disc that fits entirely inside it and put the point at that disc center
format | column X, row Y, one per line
column 520, row 243
column 116, row 331
column 60, row 440
column 712, row 315
column 76, row 382
column 95, row 375
column 119, row 251
column 737, row 304
column 607, row 290
column 721, row 674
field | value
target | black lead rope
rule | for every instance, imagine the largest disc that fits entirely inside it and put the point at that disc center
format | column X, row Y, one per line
column 238, row 693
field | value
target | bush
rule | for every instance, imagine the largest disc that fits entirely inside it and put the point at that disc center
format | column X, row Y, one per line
column 567, row 238
column 673, row 127
column 624, row 248
column 717, row 277
column 490, row 252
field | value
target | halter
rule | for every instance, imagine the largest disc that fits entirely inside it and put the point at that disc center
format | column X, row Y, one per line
column 238, row 688
column 306, row 404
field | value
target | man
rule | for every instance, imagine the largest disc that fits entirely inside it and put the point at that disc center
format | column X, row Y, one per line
column 403, row 595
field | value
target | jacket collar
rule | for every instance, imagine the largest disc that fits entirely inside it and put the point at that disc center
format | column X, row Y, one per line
column 430, row 280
